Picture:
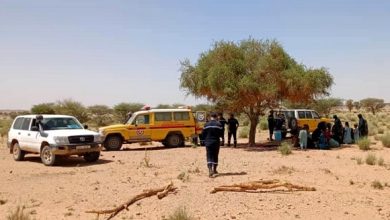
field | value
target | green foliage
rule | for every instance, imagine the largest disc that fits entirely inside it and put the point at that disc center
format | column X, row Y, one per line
column 263, row 124
column 357, row 105
column 13, row 115
column 101, row 115
column 371, row 159
column 381, row 161
column 204, row 107
column 250, row 76
column 324, row 106
column 19, row 214
column 386, row 140
column 243, row 132
column 44, row 108
column 73, row 108
column 285, row 148
column 122, row 109
column 5, row 124
column 180, row 214
column 364, row 144
column 373, row 104
column 349, row 104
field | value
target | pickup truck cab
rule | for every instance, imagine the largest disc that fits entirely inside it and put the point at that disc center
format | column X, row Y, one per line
column 50, row 136
column 171, row 127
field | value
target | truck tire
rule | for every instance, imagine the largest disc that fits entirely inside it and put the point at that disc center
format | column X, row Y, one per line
column 47, row 156
column 17, row 153
column 113, row 143
column 92, row 156
column 293, row 124
column 174, row 140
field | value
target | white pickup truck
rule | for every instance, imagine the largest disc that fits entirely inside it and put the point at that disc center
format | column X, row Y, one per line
column 52, row 135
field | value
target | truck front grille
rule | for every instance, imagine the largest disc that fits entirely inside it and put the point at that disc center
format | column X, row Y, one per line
column 80, row 139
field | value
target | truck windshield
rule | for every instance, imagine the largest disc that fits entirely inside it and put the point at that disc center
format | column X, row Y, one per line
column 131, row 119
column 60, row 124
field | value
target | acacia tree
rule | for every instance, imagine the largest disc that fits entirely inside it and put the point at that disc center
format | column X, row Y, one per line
column 372, row 104
column 43, row 108
column 251, row 76
column 349, row 104
column 122, row 109
column 324, row 106
column 357, row 105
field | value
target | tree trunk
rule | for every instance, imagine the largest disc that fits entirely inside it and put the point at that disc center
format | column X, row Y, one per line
column 254, row 119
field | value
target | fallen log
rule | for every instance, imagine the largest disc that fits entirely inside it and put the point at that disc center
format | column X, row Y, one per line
column 160, row 192
column 262, row 186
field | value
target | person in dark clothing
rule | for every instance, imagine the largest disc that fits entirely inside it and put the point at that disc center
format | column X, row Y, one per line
column 271, row 124
column 337, row 129
column 211, row 133
column 223, row 123
column 363, row 126
column 232, row 126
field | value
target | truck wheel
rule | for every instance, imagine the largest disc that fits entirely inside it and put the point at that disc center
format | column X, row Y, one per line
column 92, row 157
column 18, row 154
column 47, row 156
column 174, row 140
column 113, row 143
column 293, row 123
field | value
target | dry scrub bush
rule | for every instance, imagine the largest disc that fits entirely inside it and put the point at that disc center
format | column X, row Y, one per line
column 18, row 214
column 244, row 132
column 285, row 148
column 371, row 159
column 377, row 185
column 386, row 140
column 381, row 131
column 381, row 161
column 364, row 144
column 180, row 214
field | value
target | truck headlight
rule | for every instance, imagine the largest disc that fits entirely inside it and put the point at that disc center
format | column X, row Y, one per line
column 61, row 140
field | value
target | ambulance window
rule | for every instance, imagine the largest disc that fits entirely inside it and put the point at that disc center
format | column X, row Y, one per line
column 315, row 115
column 308, row 114
column 301, row 114
column 163, row 116
column 142, row 119
column 181, row 116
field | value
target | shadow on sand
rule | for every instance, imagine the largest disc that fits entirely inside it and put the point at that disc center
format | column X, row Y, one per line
column 72, row 161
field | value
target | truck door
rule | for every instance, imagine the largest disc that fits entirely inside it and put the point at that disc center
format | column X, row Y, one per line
column 139, row 130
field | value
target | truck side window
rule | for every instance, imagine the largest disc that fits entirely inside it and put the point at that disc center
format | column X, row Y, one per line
column 26, row 124
column 308, row 114
column 181, row 116
column 163, row 116
column 315, row 115
column 18, row 123
column 301, row 114
column 142, row 119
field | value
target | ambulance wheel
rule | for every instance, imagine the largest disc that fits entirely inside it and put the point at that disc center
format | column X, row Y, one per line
column 174, row 140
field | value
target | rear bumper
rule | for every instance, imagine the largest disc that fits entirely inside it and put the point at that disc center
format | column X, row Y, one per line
column 75, row 149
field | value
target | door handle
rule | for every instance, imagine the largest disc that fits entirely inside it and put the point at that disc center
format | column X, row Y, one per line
column 18, row 133
column 28, row 134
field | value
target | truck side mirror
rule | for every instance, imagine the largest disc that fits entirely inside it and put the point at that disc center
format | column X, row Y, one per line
column 85, row 126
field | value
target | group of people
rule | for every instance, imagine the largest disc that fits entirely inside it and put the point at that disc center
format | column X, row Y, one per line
column 326, row 136
column 213, row 135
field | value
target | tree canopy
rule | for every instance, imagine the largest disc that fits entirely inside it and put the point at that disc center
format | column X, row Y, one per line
column 373, row 104
column 251, row 76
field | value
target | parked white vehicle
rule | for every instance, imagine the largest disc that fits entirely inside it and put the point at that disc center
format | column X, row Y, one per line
column 50, row 136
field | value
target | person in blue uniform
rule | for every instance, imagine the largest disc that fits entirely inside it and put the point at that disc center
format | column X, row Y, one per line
column 212, row 132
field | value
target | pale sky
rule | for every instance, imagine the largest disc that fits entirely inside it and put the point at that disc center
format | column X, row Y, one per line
column 106, row 52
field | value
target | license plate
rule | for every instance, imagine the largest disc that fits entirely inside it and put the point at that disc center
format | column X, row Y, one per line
column 83, row 147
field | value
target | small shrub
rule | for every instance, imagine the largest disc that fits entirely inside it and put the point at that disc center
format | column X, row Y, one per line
column 263, row 125
column 386, row 140
column 146, row 160
column 359, row 161
column 364, row 144
column 381, row 131
column 351, row 182
column 377, row 185
column 378, row 137
column 381, row 161
column 372, row 131
column 371, row 159
column 180, row 214
column 244, row 132
column 285, row 148
column 18, row 214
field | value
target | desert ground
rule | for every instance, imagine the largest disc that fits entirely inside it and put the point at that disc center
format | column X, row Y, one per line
column 343, row 182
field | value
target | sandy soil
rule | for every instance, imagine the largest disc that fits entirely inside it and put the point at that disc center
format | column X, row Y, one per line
column 66, row 191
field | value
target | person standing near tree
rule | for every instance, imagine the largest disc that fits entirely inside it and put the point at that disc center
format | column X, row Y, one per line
column 232, row 126
column 363, row 127
column 271, row 124
column 211, row 133
column 223, row 122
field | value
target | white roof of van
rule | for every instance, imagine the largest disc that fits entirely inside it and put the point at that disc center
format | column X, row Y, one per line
column 47, row 116
column 165, row 110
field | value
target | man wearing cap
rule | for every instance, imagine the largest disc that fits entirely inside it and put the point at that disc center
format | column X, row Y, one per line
column 212, row 132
